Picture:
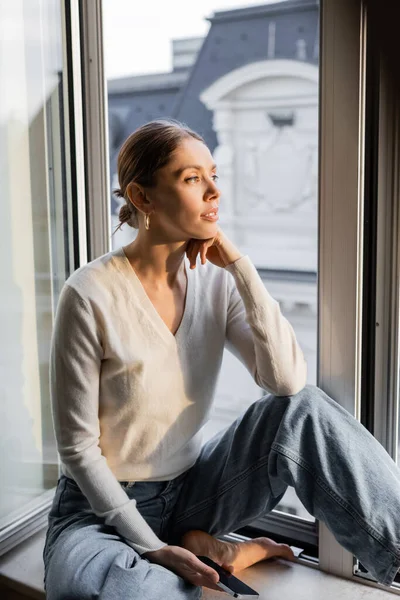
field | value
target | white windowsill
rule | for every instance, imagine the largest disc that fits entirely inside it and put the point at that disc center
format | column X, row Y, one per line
column 22, row 570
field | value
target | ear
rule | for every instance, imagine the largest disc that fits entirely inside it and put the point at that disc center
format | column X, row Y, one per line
column 137, row 195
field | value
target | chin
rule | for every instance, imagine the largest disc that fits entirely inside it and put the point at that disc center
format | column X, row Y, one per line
column 205, row 230
column 209, row 224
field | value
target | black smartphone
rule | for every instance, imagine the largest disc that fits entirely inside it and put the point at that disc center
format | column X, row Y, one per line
column 228, row 582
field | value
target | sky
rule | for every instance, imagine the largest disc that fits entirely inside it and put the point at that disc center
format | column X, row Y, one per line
column 138, row 34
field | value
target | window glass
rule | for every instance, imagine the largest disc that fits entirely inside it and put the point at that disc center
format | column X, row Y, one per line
column 33, row 236
column 246, row 78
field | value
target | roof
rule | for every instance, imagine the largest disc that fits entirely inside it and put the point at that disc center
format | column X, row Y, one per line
column 289, row 6
column 147, row 83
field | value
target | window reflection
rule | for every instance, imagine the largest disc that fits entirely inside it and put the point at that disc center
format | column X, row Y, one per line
column 33, row 238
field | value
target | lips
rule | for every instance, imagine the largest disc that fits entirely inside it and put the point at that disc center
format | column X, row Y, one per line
column 211, row 213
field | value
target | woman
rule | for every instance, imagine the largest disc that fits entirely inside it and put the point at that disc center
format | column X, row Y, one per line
column 136, row 351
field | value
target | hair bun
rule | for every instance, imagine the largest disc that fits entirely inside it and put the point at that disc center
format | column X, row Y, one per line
column 124, row 213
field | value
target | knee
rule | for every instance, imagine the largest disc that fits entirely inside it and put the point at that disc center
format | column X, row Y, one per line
column 311, row 391
column 311, row 399
column 309, row 395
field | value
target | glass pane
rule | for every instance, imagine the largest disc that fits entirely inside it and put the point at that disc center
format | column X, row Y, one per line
column 33, row 261
column 246, row 78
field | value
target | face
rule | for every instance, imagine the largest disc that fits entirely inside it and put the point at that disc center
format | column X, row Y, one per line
column 186, row 189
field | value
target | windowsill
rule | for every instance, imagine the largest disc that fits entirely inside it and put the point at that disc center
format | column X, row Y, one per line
column 22, row 570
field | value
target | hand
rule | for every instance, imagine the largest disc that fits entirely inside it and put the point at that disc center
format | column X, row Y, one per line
column 218, row 250
column 185, row 564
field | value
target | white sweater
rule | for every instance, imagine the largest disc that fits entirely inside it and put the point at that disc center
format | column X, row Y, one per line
column 129, row 398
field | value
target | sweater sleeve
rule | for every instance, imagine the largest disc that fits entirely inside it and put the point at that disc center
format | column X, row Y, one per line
column 260, row 336
column 75, row 365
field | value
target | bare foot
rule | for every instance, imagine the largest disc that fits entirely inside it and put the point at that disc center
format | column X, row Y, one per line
column 234, row 556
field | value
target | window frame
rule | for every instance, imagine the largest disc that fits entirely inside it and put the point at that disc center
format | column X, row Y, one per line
column 387, row 350
column 372, row 329
column 382, row 414
column 34, row 515
column 95, row 120
column 340, row 225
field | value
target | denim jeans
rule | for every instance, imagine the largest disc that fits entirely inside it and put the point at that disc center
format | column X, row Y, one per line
column 341, row 474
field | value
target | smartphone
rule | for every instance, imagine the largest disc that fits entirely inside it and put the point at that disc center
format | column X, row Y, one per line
column 228, row 582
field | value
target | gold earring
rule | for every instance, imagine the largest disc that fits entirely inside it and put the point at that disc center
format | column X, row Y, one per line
column 147, row 221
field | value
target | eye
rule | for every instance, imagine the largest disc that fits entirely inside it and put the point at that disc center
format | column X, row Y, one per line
column 195, row 177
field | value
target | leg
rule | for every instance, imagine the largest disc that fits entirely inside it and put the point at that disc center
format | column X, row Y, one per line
column 85, row 560
column 342, row 475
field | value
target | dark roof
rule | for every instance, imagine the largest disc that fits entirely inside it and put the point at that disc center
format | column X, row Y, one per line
column 147, row 83
column 264, row 9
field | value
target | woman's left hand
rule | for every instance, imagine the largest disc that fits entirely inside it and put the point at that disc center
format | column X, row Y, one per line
column 218, row 250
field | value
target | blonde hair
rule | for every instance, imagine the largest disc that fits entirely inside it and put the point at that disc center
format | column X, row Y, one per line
column 146, row 150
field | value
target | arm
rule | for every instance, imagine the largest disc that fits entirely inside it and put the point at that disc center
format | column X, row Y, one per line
column 75, row 364
column 260, row 336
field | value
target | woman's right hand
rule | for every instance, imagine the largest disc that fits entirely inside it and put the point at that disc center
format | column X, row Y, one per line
column 185, row 564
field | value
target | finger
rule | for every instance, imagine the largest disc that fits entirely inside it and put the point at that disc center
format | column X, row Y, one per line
column 201, row 581
column 188, row 248
column 193, row 254
column 287, row 552
column 229, row 568
column 209, row 584
column 206, row 571
column 204, row 249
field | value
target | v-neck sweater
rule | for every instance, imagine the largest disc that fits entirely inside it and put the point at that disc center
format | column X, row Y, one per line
column 129, row 398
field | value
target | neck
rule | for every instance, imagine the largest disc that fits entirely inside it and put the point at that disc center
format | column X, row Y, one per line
column 154, row 261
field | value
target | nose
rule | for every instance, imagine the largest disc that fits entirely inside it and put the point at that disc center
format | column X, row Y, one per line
column 212, row 191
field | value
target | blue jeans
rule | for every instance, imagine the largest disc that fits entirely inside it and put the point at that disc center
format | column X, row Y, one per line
column 342, row 475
